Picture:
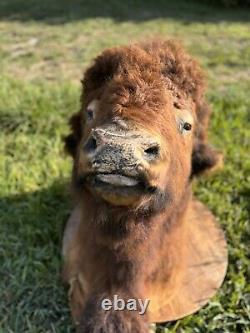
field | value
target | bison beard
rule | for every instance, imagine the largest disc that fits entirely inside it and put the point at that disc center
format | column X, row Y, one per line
column 131, row 203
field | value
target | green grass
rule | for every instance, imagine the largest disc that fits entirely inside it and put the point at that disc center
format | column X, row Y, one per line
column 44, row 48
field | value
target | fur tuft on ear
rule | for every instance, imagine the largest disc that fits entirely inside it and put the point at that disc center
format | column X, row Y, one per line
column 71, row 141
column 205, row 159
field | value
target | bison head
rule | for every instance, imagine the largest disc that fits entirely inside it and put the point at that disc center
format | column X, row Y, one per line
column 141, row 133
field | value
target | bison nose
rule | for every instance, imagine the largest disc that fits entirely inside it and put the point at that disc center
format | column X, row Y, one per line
column 128, row 148
column 90, row 145
column 152, row 152
column 95, row 140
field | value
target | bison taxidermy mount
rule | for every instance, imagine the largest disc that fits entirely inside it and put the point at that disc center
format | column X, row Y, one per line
column 136, row 231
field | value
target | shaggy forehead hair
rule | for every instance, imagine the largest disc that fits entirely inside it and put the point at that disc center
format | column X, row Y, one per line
column 144, row 80
column 142, row 72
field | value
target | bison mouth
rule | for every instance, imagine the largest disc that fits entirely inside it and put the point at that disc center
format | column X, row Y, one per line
column 117, row 188
column 118, row 181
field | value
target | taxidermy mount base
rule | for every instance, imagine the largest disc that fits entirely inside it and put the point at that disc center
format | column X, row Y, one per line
column 200, row 274
column 203, row 269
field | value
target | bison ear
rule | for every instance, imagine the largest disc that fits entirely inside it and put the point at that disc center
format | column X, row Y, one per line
column 72, row 140
column 205, row 159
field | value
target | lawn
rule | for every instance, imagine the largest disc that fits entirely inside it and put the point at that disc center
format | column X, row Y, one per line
column 44, row 48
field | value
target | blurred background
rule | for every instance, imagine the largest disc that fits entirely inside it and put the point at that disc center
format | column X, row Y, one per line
column 45, row 46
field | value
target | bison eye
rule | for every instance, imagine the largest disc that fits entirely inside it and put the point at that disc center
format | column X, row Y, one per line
column 90, row 115
column 187, row 126
column 91, row 109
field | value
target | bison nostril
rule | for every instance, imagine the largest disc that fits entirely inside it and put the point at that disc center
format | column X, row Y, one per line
column 91, row 145
column 152, row 152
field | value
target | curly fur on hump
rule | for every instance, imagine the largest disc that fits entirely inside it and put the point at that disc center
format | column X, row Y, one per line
column 138, row 74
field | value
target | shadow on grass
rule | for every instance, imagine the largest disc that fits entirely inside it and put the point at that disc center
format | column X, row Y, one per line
column 62, row 11
column 33, row 298
column 42, row 212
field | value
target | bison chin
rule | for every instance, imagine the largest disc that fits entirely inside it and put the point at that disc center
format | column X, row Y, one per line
column 125, row 194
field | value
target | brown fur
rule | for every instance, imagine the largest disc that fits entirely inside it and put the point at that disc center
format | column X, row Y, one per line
column 116, row 249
